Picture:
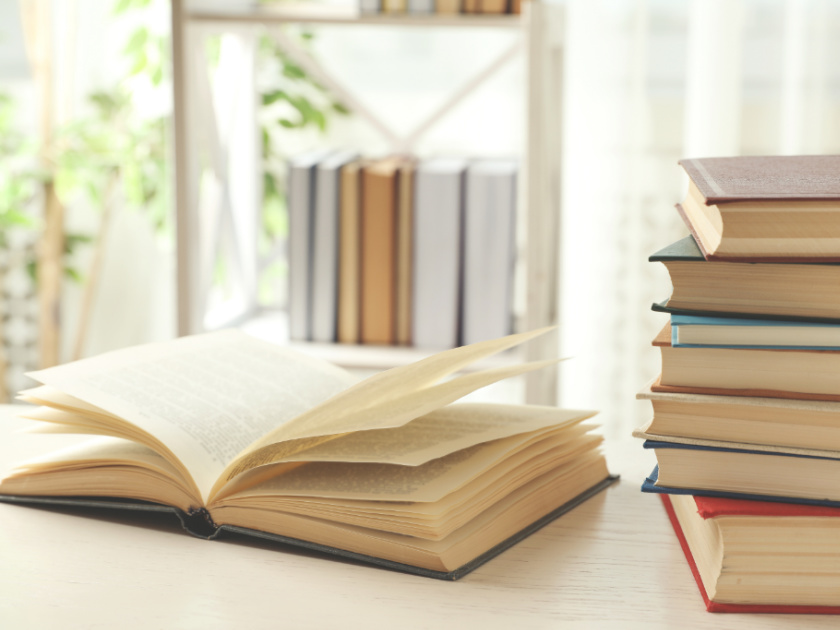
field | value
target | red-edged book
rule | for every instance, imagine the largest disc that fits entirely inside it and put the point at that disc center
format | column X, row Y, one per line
column 760, row 557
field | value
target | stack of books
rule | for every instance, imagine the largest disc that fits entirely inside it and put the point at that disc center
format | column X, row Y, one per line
column 746, row 411
column 398, row 251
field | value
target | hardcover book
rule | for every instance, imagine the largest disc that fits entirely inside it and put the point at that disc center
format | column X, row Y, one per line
column 806, row 424
column 698, row 331
column 800, row 374
column 238, row 435
column 762, row 290
column 742, row 473
column 380, row 186
column 757, row 557
column 780, row 208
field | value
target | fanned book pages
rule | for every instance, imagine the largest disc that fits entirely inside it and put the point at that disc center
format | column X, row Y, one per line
column 765, row 208
column 235, row 434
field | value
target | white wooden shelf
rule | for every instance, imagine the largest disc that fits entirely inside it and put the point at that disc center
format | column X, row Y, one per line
column 217, row 142
column 312, row 13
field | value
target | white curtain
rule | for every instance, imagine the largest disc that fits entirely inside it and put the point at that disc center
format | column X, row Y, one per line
column 647, row 83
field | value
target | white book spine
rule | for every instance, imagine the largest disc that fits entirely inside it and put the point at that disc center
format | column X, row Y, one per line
column 301, row 197
column 370, row 6
column 489, row 251
column 421, row 6
column 437, row 253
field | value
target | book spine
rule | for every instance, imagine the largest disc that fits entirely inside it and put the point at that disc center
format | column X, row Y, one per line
column 300, row 195
column 368, row 7
column 421, row 6
column 489, row 238
column 437, row 258
column 349, row 254
column 325, row 255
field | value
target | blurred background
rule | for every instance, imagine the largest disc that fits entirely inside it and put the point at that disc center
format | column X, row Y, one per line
column 88, row 243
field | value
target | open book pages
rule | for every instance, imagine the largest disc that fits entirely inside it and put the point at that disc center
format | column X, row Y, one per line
column 261, row 437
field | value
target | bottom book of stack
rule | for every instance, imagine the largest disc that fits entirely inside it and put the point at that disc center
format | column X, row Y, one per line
column 758, row 556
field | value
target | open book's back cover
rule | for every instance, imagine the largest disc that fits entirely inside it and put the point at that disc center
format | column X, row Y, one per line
column 198, row 524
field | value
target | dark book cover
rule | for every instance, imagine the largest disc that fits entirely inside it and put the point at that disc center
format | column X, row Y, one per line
column 200, row 525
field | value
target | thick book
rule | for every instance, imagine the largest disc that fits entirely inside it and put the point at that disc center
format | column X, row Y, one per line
column 807, row 424
column 237, row 434
column 438, row 224
column 699, row 331
column 799, row 374
column 380, row 186
column 301, row 206
column 765, row 208
column 325, row 251
column 489, row 250
column 744, row 473
column 757, row 557
column 350, row 253
column 799, row 291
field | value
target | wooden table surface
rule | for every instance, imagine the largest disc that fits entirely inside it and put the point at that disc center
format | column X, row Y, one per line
column 611, row 563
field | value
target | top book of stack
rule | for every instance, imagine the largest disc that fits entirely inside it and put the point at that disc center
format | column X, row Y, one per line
column 765, row 209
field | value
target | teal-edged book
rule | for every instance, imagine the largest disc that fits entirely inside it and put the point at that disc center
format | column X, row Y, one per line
column 700, row 331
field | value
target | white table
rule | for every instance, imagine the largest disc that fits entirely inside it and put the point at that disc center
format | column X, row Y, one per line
column 611, row 563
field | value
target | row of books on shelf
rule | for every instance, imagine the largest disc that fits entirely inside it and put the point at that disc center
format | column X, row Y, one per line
column 746, row 410
column 446, row 7
column 397, row 251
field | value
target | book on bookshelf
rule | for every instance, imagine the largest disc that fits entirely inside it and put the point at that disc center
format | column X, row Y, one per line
column 380, row 186
column 421, row 6
column 741, row 471
column 689, row 331
column 438, row 218
column 489, row 249
column 449, row 7
column 301, row 207
column 765, row 207
column 325, row 244
column 760, row 557
column 803, row 374
column 764, row 290
column 238, row 435
column 805, row 424
column 405, row 253
column 350, row 253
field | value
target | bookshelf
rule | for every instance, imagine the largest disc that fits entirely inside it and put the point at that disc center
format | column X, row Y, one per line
column 219, row 134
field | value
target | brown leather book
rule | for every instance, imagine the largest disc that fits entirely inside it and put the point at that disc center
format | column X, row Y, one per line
column 380, row 185
column 770, row 208
column 493, row 6
column 349, row 253
column 471, row 6
column 404, row 252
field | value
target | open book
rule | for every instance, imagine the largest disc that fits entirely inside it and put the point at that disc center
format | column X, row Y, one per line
column 235, row 434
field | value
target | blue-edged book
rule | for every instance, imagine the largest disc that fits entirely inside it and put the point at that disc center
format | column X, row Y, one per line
column 700, row 331
column 738, row 473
